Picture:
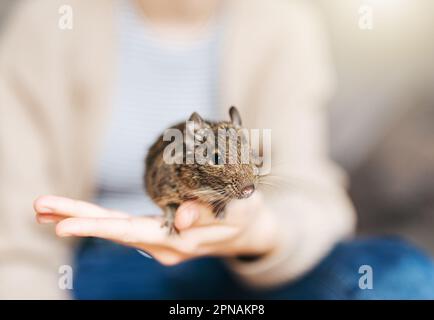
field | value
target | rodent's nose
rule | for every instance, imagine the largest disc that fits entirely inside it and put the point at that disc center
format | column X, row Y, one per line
column 247, row 191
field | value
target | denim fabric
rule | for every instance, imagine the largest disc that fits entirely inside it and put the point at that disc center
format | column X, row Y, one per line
column 105, row 270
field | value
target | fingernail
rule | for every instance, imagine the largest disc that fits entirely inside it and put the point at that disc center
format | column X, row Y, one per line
column 45, row 210
column 64, row 234
column 45, row 220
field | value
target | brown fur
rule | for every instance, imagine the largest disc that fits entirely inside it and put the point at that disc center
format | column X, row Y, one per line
column 169, row 185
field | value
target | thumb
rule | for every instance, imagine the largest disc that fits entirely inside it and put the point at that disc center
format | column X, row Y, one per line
column 186, row 215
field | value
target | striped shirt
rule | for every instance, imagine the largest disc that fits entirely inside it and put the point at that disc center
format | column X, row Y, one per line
column 158, row 84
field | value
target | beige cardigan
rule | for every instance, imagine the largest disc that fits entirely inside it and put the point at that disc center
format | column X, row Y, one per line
column 55, row 88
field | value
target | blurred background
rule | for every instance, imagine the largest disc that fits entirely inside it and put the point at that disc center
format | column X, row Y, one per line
column 382, row 116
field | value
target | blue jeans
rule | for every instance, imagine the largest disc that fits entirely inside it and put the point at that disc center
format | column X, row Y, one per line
column 105, row 270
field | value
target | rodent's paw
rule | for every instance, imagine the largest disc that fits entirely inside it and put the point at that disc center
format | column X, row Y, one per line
column 170, row 225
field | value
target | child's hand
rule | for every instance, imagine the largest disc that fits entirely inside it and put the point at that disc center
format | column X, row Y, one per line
column 248, row 228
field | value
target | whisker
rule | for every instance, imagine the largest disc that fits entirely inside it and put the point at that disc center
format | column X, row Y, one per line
column 295, row 183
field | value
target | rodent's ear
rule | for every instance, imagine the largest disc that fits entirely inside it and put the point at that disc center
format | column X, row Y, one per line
column 235, row 116
column 198, row 121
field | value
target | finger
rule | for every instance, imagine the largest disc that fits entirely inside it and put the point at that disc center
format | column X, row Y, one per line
column 237, row 212
column 193, row 213
column 142, row 233
column 43, row 218
column 186, row 215
column 191, row 241
column 165, row 256
column 132, row 230
column 73, row 208
column 242, row 212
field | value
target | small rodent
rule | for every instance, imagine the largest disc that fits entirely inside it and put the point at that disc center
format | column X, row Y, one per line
column 212, row 182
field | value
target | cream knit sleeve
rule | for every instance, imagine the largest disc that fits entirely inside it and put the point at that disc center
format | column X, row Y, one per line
column 30, row 255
